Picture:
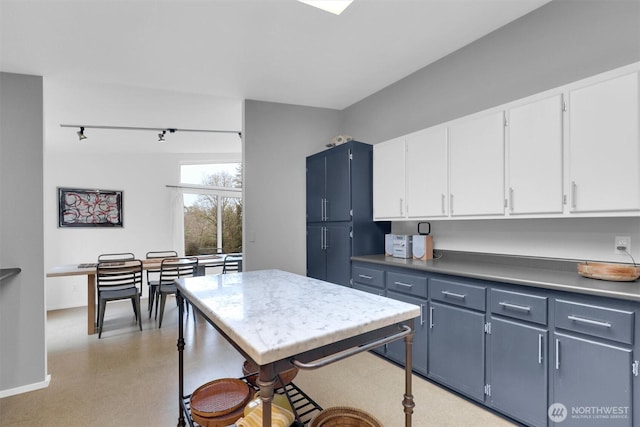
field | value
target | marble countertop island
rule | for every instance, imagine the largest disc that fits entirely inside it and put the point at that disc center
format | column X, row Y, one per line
column 273, row 315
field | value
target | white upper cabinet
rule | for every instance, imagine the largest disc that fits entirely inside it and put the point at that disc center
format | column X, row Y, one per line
column 427, row 173
column 534, row 157
column 477, row 166
column 604, row 146
column 389, row 180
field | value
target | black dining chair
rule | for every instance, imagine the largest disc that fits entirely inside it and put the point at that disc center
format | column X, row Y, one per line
column 232, row 263
column 153, row 278
column 118, row 281
column 170, row 270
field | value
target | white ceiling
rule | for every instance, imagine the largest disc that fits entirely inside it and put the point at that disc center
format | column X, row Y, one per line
column 272, row 50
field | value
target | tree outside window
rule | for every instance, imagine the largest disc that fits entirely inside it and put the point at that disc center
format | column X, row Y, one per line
column 213, row 214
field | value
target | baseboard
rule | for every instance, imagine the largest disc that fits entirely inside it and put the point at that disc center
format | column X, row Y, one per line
column 26, row 388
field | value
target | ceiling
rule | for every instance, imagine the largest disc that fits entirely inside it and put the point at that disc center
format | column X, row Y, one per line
column 271, row 50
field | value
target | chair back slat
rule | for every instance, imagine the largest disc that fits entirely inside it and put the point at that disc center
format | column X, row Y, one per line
column 231, row 263
column 175, row 268
column 159, row 255
column 113, row 274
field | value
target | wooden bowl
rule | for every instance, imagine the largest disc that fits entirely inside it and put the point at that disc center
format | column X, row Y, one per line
column 344, row 416
column 250, row 370
column 609, row 271
column 220, row 397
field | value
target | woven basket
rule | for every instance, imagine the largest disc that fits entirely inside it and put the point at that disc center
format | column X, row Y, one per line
column 219, row 397
column 344, row 416
column 250, row 370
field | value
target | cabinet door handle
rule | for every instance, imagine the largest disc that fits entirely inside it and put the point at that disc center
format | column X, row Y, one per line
column 364, row 276
column 430, row 317
column 406, row 285
column 451, row 204
column 574, row 191
column 589, row 321
column 507, row 305
column 326, row 238
column 540, row 349
column 322, row 209
column 421, row 314
column 453, row 295
column 557, row 354
column 326, row 211
column 442, row 197
column 401, row 207
column 511, row 199
column 322, row 238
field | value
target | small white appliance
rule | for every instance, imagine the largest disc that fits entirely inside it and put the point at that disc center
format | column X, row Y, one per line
column 402, row 246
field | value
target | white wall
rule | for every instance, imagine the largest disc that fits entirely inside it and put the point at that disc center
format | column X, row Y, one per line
column 131, row 161
column 277, row 138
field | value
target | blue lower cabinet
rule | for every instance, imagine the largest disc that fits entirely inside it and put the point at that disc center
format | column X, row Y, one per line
column 592, row 382
column 518, row 370
column 457, row 348
column 396, row 350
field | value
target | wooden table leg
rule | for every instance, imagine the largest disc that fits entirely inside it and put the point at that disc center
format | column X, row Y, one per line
column 91, row 304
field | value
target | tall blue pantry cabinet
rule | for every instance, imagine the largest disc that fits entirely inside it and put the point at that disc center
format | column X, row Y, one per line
column 340, row 211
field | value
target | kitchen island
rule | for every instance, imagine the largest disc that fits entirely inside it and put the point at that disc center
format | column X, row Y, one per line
column 278, row 319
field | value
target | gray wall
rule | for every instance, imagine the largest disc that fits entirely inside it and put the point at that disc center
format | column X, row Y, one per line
column 22, row 312
column 561, row 42
column 277, row 138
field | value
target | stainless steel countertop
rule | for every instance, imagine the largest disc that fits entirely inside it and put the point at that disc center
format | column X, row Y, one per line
column 561, row 275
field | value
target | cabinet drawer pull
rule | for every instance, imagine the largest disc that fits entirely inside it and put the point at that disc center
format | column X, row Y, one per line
column 453, row 295
column 589, row 321
column 557, row 354
column 406, row 285
column 508, row 305
column 421, row 314
column 364, row 276
column 540, row 349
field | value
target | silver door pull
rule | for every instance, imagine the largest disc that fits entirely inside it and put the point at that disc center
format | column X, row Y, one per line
column 540, row 349
column 421, row 314
column 430, row 317
column 364, row 276
column 557, row 354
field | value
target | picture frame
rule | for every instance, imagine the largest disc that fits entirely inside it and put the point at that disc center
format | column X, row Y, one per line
column 78, row 207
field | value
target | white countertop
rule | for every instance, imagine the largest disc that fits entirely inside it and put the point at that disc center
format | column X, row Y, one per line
column 273, row 315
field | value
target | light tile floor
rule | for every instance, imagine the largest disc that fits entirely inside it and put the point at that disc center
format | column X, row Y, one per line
column 129, row 378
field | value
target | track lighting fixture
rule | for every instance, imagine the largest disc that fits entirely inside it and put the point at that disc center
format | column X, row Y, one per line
column 81, row 134
column 161, row 135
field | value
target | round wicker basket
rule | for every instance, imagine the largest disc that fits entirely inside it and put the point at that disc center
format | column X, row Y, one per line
column 219, row 397
column 344, row 416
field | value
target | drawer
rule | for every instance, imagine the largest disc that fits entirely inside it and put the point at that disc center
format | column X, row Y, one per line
column 604, row 322
column 369, row 289
column 411, row 284
column 531, row 308
column 368, row 276
column 457, row 293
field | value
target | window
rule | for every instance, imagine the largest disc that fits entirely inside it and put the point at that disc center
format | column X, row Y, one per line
column 212, row 196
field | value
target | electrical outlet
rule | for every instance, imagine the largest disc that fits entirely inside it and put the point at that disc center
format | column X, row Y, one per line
column 622, row 242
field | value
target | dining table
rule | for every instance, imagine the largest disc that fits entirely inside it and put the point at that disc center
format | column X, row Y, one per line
column 279, row 320
column 89, row 270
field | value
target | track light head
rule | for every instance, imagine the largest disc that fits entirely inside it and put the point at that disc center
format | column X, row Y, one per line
column 161, row 136
column 81, row 134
